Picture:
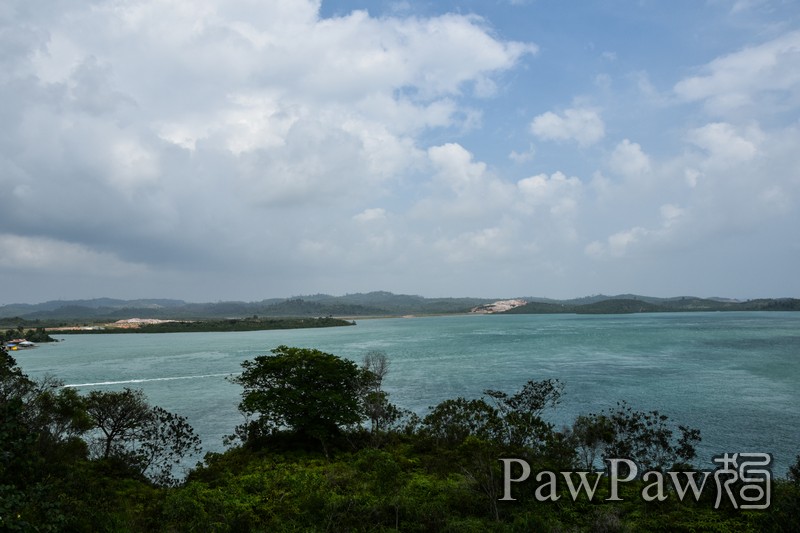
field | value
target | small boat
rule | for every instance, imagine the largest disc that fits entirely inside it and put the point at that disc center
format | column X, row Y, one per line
column 19, row 344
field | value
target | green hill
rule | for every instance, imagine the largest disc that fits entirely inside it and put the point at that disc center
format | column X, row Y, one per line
column 634, row 304
column 378, row 303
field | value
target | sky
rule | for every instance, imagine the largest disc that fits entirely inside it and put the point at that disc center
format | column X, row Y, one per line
column 214, row 150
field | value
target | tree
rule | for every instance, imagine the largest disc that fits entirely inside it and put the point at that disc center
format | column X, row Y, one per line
column 13, row 383
column 18, row 460
column 46, row 480
column 41, row 423
column 384, row 416
column 515, row 420
column 147, row 440
column 648, row 439
column 375, row 400
column 306, row 391
column 376, row 364
column 794, row 472
column 522, row 411
column 120, row 417
column 168, row 438
column 40, row 426
column 590, row 435
column 58, row 416
column 452, row 421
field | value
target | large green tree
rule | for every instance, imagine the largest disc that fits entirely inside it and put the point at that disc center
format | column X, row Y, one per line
column 306, row 391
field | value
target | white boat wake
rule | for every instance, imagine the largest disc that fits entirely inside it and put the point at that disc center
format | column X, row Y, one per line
column 144, row 380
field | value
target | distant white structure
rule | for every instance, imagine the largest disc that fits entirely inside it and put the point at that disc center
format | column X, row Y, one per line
column 497, row 307
column 141, row 321
column 131, row 323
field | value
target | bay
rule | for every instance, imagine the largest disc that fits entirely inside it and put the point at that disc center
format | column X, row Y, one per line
column 735, row 376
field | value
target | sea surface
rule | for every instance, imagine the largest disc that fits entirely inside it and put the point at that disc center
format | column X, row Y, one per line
column 735, row 376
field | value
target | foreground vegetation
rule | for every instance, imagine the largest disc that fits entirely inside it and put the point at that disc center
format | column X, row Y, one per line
column 321, row 448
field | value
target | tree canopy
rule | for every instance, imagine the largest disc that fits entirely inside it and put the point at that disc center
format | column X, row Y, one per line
column 145, row 439
column 306, row 391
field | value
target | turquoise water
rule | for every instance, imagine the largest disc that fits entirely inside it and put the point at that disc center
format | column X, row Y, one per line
column 736, row 376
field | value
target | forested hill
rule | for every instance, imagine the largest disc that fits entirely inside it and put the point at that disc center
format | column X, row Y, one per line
column 361, row 305
column 642, row 304
column 350, row 305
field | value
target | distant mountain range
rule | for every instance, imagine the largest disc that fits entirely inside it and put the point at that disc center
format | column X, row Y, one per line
column 363, row 304
column 631, row 303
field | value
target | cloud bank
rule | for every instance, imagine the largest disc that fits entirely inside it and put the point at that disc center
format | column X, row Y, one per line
column 239, row 149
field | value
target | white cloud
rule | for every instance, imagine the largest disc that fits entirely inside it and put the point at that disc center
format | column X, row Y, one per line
column 629, row 160
column 671, row 214
column 455, row 166
column 744, row 175
column 624, row 243
column 133, row 165
column 155, row 107
column 760, row 77
column 147, row 138
column 746, row 5
column 582, row 125
column 470, row 190
column 357, row 54
column 742, row 179
column 462, row 190
column 523, row 157
column 691, row 176
column 617, row 244
column 557, row 193
column 474, row 215
column 371, row 215
column 484, row 244
column 725, row 145
column 56, row 62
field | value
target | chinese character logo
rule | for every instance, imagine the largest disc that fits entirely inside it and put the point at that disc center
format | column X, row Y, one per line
column 745, row 479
